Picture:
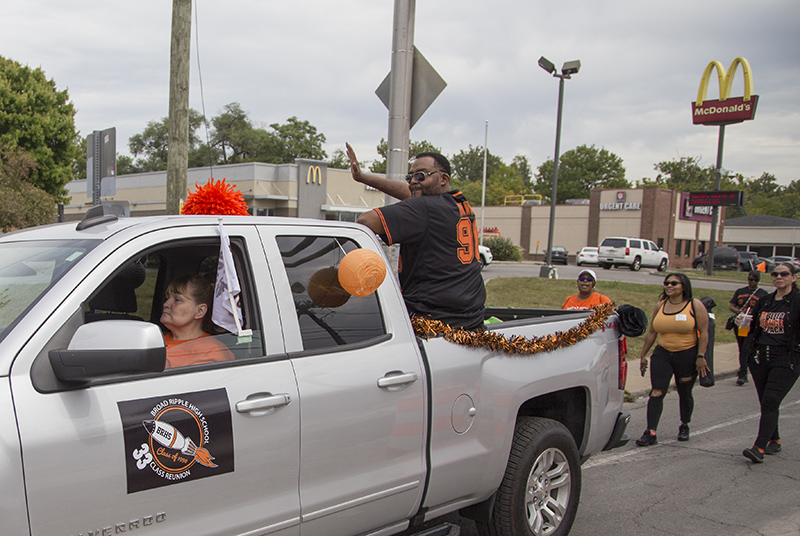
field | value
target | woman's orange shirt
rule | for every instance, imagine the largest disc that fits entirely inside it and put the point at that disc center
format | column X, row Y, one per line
column 204, row 349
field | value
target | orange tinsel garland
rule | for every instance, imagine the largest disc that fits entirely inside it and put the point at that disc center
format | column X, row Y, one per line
column 215, row 198
column 428, row 328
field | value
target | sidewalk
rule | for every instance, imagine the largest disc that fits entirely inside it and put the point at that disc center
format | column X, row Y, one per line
column 726, row 365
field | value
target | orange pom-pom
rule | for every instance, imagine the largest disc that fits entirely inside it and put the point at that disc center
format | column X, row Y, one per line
column 215, row 199
column 361, row 272
column 324, row 289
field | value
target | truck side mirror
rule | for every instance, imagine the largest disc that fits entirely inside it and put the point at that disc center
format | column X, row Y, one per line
column 110, row 348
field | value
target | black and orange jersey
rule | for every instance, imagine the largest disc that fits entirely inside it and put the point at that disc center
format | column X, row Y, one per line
column 440, row 269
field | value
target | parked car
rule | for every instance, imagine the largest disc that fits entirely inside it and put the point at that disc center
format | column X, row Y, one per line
column 559, row 255
column 748, row 260
column 778, row 259
column 486, row 255
column 725, row 258
column 587, row 255
column 631, row 252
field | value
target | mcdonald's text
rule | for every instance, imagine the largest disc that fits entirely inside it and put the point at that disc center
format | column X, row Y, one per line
column 731, row 110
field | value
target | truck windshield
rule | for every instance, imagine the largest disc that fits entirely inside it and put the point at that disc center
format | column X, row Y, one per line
column 28, row 269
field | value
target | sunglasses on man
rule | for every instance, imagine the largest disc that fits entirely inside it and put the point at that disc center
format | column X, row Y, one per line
column 420, row 176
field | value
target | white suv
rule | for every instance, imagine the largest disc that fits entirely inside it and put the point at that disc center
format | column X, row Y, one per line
column 631, row 252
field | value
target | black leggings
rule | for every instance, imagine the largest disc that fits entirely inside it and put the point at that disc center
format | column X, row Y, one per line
column 664, row 365
column 774, row 376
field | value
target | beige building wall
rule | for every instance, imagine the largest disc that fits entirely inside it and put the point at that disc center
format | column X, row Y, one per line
column 620, row 218
column 570, row 229
column 508, row 220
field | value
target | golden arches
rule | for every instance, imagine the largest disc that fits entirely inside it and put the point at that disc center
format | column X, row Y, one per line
column 726, row 79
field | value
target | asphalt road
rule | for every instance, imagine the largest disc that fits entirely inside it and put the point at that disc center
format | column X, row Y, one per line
column 703, row 486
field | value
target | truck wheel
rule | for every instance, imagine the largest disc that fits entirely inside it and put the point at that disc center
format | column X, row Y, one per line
column 663, row 265
column 636, row 265
column 542, row 485
column 605, row 266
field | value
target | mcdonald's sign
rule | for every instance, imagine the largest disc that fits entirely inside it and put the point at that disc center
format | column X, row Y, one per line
column 727, row 109
column 314, row 175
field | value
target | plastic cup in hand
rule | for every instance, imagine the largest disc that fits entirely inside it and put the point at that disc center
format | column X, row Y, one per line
column 744, row 325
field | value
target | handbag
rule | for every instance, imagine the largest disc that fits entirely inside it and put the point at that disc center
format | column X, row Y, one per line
column 707, row 380
column 730, row 324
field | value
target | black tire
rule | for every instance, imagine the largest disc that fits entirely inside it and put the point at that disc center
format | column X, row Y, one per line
column 483, row 262
column 700, row 266
column 662, row 267
column 636, row 265
column 605, row 266
column 541, row 488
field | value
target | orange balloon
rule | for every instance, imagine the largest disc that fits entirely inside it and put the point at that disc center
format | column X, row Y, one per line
column 324, row 289
column 361, row 272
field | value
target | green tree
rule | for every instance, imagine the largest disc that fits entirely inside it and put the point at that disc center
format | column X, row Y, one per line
column 523, row 167
column 21, row 203
column 468, row 165
column 414, row 148
column 791, row 200
column 579, row 171
column 339, row 160
column 38, row 118
column 504, row 182
column 150, row 146
column 299, row 139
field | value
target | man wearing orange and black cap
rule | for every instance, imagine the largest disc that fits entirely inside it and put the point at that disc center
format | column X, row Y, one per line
column 440, row 269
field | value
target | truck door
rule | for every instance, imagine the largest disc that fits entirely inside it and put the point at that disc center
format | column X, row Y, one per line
column 202, row 449
column 362, row 387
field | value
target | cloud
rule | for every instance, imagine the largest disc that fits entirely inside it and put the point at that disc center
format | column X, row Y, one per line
column 322, row 61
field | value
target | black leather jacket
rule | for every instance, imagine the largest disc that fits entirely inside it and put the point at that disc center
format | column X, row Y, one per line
column 792, row 325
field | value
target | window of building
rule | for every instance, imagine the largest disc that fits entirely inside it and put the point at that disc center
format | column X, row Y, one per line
column 678, row 244
column 660, row 243
column 687, row 250
column 328, row 315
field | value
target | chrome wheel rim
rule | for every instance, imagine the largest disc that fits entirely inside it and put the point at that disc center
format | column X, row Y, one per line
column 547, row 492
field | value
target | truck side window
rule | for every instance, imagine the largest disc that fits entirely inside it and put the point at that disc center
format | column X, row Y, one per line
column 137, row 291
column 328, row 315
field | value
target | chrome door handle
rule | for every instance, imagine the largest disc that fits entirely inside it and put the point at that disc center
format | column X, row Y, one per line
column 396, row 379
column 261, row 404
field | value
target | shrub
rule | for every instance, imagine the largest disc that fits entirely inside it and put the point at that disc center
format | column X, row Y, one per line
column 503, row 249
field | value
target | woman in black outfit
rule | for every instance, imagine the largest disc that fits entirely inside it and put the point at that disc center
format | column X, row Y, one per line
column 774, row 351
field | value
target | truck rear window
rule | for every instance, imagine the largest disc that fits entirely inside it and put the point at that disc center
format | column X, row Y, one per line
column 614, row 242
column 29, row 269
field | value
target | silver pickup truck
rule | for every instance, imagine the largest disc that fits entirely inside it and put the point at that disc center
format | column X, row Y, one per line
column 332, row 418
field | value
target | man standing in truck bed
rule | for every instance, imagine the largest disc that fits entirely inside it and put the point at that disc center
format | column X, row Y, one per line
column 440, row 269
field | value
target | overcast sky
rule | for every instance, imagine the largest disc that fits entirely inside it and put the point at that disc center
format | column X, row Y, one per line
column 322, row 60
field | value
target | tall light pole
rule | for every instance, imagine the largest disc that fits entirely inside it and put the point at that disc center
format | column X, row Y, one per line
column 567, row 70
column 483, row 190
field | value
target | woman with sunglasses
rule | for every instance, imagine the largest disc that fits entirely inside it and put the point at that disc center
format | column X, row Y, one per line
column 774, row 352
column 680, row 323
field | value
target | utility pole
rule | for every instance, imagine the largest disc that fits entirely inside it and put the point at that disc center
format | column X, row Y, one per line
column 178, row 140
column 400, row 90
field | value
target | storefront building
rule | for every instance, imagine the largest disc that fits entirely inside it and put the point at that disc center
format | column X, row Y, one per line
column 310, row 189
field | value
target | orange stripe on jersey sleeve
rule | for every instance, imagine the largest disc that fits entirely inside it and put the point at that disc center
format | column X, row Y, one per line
column 385, row 227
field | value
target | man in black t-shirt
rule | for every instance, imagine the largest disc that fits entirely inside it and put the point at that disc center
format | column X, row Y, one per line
column 742, row 299
column 440, row 268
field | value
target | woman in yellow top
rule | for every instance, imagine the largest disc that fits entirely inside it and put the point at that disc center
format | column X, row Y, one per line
column 187, row 316
column 680, row 323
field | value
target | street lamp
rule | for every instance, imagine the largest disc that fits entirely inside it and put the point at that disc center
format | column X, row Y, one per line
column 567, row 70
